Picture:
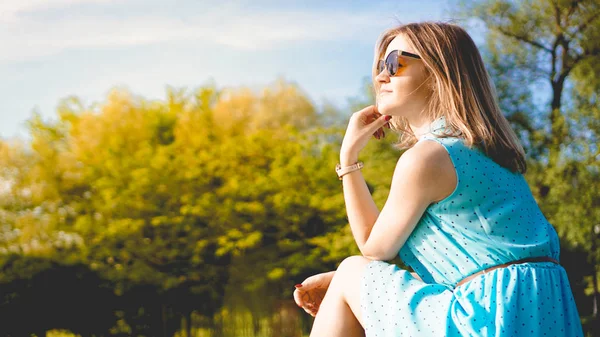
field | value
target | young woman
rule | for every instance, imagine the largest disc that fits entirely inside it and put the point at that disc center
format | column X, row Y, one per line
column 459, row 212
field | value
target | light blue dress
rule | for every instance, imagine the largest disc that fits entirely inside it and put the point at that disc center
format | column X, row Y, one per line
column 490, row 218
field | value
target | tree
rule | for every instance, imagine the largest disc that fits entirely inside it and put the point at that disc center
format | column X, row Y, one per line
column 553, row 46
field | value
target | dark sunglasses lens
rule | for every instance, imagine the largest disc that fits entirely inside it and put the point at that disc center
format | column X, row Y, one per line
column 391, row 62
column 380, row 66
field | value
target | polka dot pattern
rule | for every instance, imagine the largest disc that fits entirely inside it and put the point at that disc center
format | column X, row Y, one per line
column 490, row 218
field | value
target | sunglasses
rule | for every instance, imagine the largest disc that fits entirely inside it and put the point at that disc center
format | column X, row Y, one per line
column 393, row 62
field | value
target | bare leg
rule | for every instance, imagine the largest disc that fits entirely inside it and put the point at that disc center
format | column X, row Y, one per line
column 340, row 313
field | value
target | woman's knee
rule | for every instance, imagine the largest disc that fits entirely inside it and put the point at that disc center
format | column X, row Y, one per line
column 352, row 265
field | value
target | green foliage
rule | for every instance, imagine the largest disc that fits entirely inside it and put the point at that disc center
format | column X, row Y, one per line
column 213, row 191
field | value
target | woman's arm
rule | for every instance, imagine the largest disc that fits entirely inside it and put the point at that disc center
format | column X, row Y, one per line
column 423, row 174
column 360, row 207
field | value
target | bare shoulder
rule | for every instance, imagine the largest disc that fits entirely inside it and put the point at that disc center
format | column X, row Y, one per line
column 430, row 165
column 426, row 156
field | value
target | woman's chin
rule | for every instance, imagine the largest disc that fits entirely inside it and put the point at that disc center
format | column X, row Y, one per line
column 385, row 109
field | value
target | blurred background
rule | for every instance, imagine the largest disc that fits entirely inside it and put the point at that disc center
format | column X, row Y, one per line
column 166, row 167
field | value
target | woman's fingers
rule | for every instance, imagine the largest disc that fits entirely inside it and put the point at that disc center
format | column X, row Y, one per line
column 379, row 133
column 303, row 298
column 309, row 309
column 370, row 115
column 298, row 298
column 368, row 111
column 310, row 295
column 306, row 302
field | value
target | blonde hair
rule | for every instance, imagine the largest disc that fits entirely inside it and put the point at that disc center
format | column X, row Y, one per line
column 460, row 90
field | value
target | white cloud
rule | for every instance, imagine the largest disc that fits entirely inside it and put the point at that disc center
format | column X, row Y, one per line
column 23, row 37
column 9, row 9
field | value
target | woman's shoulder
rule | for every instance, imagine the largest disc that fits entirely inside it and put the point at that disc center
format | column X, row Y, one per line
column 433, row 149
column 437, row 148
column 456, row 148
column 434, row 164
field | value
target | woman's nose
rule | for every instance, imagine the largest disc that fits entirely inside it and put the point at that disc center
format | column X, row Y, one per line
column 382, row 76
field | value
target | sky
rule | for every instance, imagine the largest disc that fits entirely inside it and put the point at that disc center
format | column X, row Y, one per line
column 52, row 49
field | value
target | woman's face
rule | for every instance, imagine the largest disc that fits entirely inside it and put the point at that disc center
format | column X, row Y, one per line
column 405, row 93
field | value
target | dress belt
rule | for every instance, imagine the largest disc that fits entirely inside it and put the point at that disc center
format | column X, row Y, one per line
column 529, row 259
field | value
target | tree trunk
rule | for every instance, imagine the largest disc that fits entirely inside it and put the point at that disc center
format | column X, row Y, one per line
column 558, row 125
column 188, row 319
column 595, row 318
column 256, row 323
column 164, row 320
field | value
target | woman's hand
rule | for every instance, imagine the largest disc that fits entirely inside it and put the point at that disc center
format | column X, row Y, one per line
column 363, row 124
column 310, row 295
